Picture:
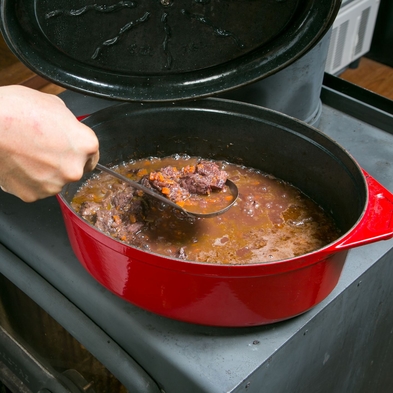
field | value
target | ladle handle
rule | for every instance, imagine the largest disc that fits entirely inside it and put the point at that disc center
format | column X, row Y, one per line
column 231, row 185
column 138, row 186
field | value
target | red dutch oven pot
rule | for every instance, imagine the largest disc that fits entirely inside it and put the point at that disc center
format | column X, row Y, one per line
column 230, row 295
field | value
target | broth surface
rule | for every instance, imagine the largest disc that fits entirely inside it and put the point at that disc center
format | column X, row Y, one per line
column 271, row 220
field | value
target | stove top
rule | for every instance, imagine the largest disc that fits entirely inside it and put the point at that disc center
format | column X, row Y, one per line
column 342, row 336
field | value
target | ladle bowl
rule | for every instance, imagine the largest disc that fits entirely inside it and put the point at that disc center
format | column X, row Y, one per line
column 230, row 184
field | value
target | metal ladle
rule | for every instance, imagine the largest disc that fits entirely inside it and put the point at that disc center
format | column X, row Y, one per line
column 232, row 187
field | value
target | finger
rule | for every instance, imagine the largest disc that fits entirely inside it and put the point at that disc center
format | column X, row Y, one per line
column 91, row 162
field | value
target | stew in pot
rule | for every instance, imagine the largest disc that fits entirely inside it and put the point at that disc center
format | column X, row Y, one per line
column 271, row 220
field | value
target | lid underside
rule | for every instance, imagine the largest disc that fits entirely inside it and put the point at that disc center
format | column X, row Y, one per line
column 151, row 50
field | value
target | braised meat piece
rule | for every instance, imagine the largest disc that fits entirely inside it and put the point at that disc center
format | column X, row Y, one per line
column 104, row 220
column 122, row 200
column 89, row 208
column 166, row 182
column 211, row 170
column 119, row 213
column 178, row 185
column 205, row 178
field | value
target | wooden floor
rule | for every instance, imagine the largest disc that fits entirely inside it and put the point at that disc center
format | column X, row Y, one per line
column 369, row 74
column 372, row 76
column 13, row 72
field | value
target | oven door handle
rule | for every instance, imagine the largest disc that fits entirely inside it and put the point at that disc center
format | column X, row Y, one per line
column 21, row 371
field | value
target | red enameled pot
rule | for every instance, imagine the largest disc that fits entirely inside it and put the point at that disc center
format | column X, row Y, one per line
column 238, row 295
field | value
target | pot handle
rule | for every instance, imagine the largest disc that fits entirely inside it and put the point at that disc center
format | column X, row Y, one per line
column 377, row 222
column 82, row 117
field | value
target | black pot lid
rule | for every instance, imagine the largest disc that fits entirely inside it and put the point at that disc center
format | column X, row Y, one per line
column 162, row 50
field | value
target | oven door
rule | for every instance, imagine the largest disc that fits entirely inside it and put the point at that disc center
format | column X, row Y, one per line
column 47, row 345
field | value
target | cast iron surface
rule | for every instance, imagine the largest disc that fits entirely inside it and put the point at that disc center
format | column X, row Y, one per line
column 255, row 137
column 152, row 50
column 242, row 134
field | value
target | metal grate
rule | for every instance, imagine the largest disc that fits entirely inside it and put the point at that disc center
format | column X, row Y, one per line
column 352, row 33
column 346, row 2
column 362, row 30
column 332, row 48
column 340, row 44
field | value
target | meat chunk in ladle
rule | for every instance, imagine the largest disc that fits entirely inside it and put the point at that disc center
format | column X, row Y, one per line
column 188, row 189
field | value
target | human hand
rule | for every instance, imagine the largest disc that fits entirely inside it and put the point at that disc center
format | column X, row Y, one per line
column 42, row 145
